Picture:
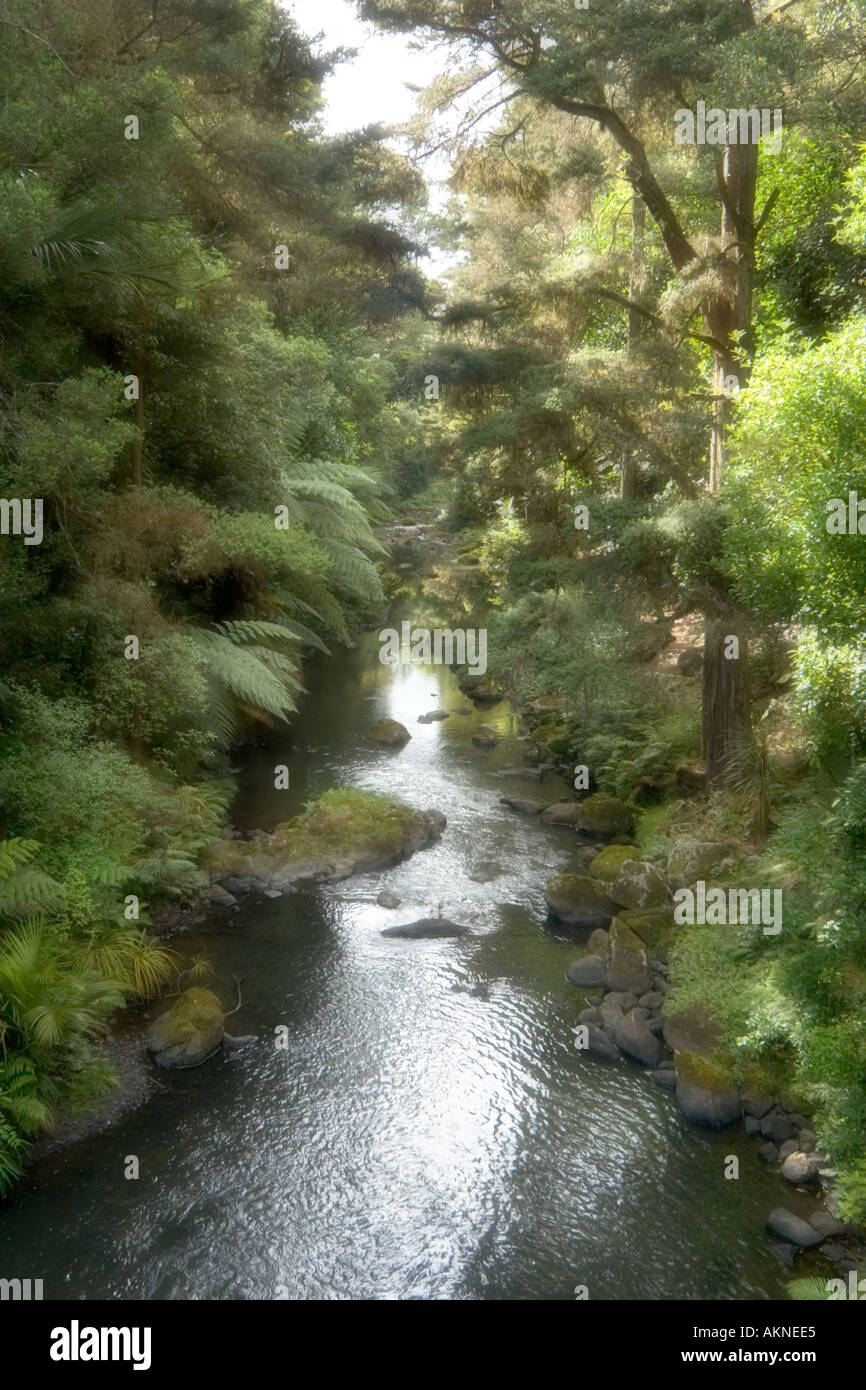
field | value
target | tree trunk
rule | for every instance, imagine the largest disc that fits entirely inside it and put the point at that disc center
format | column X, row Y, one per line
column 628, row 468
column 138, row 416
column 726, row 701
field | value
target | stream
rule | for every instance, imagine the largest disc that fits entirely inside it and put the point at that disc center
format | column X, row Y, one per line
column 431, row 1131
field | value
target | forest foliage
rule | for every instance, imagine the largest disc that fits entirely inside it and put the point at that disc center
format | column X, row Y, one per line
column 665, row 335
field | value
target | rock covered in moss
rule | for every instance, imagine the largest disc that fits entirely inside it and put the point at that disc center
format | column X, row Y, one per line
column 692, row 860
column 189, row 1032
column 627, row 967
column 692, row 1030
column 388, row 733
column 654, row 928
column 705, row 1091
column 639, row 885
column 605, row 817
column 609, row 861
column 579, row 901
column 481, row 689
column 346, row 831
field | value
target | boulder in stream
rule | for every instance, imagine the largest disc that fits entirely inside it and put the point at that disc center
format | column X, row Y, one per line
column 793, row 1228
column 605, row 817
column 189, row 1032
column 561, row 813
column 706, row 1093
column 632, row 1036
column 579, row 901
column 388, row 733
column 524, row 806
column 627, row 966
column 426, row 928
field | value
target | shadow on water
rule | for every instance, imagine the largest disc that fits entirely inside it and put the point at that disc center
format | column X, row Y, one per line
column 431, row 1131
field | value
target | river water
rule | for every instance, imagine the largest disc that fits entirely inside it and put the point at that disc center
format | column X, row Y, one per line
column 430, row 1132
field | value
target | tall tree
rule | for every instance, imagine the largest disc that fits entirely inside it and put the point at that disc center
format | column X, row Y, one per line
column 628, row 70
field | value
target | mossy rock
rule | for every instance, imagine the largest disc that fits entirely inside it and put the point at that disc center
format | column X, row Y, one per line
column 654, row 928
column 693, row 860
column 639, row 886
column 692, row 1030
column 627, row 967
column 388, row 733
column 345, row 831
column 553, row 739
column 706, row 1091
column 608, row 862
column 481, row 688
column 189, row 1032
column 579, row 901
column 605, row 817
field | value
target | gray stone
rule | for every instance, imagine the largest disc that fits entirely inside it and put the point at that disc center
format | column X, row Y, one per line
column 237, row 886
column 751, row 1125
column 591, row 1015
column 484, row 740
column 836, row 1253
column 652, row 1000
column 219, row 897
column 588, row 971
column 388, row 899
column 655, row 1025
column 808, row 1140
column 579, row 901
column 777, row 1126
column 785, row 1253
column 610, row 1011
column 800, row 1168
column 426, row 928
column 768, row 1152
column 826, row 1225
column 561, row 813
column 754, row 1103
column 638, row 886
column 632, row 1036
column 389, row 733
column 663, row 1077
column 789, row 1147
column 235, row 1044
column 522, row 805
column 599, row 1045
column 793, row 1229
column 598, row 943
column 714, row 1105
column 624, row 998
column 627, row 965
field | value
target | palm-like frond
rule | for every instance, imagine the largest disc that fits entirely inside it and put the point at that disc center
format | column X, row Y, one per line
column 353, row 573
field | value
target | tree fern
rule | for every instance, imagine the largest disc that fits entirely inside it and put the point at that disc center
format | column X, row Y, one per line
column 243, row 674
column 353, row 573
column 24, row 888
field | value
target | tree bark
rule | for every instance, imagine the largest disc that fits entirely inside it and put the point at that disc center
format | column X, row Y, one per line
column 628, row 468
column 138, row 416
column 726, row 701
